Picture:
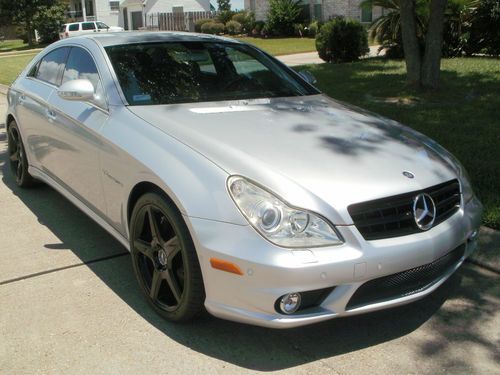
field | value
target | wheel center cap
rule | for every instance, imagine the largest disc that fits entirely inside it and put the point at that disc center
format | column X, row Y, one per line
column 162, row 257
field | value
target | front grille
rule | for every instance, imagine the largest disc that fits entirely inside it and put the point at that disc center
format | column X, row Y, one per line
column 405, row 283
column 393, row 216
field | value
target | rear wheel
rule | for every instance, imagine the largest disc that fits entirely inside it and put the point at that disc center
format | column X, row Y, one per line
column 164, row 259
column 17, row 157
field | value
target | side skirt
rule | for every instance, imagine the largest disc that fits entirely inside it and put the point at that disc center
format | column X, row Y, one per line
column 37, row 173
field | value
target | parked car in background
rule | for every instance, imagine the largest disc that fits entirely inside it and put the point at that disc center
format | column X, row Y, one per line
column 236, row 184
column 69, row 30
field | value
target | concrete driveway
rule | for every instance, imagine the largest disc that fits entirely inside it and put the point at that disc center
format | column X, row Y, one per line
column 308, row 58
column 69, row 304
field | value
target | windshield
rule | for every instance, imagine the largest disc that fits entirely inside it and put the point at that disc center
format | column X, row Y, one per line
column 102, row 25
column 186, row 72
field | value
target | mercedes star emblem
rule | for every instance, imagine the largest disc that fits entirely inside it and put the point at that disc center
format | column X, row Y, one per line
column 424, row 211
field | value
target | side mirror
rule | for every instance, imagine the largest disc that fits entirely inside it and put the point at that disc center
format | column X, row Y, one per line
column 77, row 90
column 308, row 77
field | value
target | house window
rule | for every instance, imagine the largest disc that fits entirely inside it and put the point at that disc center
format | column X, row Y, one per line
column 318, row 13
column 114, row 5
column 366, row 14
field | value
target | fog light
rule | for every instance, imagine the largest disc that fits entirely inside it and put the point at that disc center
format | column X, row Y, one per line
column 290, row 303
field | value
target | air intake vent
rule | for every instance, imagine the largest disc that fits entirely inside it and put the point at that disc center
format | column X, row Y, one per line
column 405, row 283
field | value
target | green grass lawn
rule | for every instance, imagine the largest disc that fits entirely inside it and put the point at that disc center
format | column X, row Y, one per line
column 282, row 46
column 16, row 45
column 463, row 116
column 10, row 67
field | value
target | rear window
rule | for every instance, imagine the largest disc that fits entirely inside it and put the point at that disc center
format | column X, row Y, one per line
column 88, row 26
column 74, row 27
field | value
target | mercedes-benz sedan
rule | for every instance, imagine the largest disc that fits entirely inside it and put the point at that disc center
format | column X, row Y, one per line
column 236, row 185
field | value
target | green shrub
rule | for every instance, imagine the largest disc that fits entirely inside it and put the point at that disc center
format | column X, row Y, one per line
column 246, row 19
column 265, row 31
column 341, row 40
column 282, row 16
column 233, row 27
column 239, row 17
column 257, row 28
column 198, row 24
column 312, row 29
column 214, row 28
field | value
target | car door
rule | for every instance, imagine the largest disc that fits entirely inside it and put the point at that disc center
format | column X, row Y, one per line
column 102, row 27
column 88, row 27
column 33, row 109
column 73, row 29
column 76, row 124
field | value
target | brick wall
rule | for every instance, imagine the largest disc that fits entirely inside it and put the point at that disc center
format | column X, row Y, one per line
column 330, row 8
column 259, row 7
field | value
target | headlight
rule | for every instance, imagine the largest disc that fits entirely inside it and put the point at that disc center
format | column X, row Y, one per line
column 465, row 183
column 463, row 176
column 278, row 222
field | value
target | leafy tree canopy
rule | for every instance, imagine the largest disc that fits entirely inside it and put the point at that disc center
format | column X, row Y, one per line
column 23, row 12
column 224, row 5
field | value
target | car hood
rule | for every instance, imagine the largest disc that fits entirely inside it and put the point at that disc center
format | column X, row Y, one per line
column 313, row 151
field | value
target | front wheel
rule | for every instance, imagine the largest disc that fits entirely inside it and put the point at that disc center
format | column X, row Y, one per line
column 164, row 259
column 17, row 157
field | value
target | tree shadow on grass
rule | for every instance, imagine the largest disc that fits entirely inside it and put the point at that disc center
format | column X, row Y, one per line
column 247, row 346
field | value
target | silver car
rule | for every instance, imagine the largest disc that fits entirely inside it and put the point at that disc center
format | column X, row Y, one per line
column 236, row 185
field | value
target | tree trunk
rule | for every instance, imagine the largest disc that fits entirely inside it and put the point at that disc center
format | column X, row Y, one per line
column 410, row 42
column 433, row 45
column 29, row 33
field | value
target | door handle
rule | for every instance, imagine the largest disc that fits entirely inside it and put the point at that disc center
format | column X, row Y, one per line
column 51, row 115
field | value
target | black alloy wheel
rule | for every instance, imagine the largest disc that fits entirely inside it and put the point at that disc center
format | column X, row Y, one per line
column 164, row 259
column 17, row 156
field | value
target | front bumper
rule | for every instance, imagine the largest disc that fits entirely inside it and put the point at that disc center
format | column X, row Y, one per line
column 269, row 271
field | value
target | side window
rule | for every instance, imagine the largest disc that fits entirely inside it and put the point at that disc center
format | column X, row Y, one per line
column 80, row 65
column 102, row 26
column 51, row 65
column 74, row 27
column 243, row 63
column 88, row 26
column 34, row 68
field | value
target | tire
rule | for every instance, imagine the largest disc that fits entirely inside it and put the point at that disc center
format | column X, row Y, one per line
column 164, row 259
column 17, row 157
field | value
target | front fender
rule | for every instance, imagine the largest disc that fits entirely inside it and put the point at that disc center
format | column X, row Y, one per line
column 136, row 152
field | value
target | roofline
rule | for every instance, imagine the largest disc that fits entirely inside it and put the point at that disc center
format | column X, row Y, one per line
column 134, row 37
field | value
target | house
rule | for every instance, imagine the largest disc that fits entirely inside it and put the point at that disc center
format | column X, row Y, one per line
column 322, row 10
column 130, row 14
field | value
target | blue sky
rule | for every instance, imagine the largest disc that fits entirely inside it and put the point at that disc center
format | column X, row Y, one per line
column 235, row 4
